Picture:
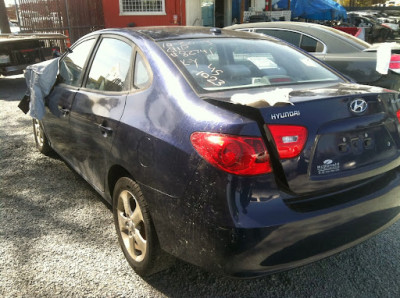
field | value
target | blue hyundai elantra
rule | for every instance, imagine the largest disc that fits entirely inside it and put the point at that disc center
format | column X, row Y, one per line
column 234, row 152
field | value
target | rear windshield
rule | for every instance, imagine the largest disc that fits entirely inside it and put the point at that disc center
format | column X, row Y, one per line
column 228, row 63
column 361, row 44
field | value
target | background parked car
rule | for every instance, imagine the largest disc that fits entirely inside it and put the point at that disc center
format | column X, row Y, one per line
column 375, row 30
column 388, row 18
column 349, row 55
column 391, row 23
column 231, row 151
column 17, row 51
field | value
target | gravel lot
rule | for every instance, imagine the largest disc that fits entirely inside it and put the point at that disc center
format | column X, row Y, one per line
column 57, row 239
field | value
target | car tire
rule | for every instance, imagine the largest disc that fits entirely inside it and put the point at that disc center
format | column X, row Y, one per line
column 42, row 143
column 136, row 233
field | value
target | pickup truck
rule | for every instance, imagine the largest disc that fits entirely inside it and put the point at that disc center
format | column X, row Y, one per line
column 17, row 51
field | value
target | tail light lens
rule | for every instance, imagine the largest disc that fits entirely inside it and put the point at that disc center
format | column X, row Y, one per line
column 395, row 63
column 398, row 115
column 233, row 154
column 289, row 139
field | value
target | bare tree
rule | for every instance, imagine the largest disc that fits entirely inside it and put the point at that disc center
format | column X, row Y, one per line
column 4, row 25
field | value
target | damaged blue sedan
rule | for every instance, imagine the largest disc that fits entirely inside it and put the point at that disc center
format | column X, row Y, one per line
column 236, row 153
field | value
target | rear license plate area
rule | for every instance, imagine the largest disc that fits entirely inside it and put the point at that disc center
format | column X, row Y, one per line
column 346, row 151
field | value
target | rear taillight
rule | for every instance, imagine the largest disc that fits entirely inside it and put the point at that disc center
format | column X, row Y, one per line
column 395, row 63
column 398, row 115
column 233, row 154
column 289, row 139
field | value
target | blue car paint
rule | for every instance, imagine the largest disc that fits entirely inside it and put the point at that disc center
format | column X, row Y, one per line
column 242, row 226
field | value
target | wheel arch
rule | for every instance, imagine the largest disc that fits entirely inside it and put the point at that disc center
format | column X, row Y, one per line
column 114, row 174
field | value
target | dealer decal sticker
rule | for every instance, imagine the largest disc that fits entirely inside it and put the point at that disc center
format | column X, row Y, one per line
column 328, row 167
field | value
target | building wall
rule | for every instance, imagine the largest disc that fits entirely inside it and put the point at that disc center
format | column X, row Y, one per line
column 193, row 13
column 259, row 5
column 112, row 17
column 222, row 14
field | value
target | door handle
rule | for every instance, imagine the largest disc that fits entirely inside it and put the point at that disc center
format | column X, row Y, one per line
column 105, row 130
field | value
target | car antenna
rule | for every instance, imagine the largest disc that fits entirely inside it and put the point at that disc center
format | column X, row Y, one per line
column 215, row 31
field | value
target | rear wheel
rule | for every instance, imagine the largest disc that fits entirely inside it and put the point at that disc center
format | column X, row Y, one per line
column 135, row 229
column 42, row 143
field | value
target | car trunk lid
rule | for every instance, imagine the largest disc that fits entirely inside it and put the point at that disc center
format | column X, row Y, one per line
column 352, row 134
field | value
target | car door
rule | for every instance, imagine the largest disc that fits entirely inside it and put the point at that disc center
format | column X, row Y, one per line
column 59, row 102
column 98, row 107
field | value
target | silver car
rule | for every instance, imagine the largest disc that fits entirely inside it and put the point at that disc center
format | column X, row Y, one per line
column 346, row 53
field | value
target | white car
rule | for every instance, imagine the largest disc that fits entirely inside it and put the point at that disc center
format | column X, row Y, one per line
column 389, row 22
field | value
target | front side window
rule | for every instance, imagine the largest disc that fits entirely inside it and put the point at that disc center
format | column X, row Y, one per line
column 110, row 67
column 230, row 63
column 71, row 66
column 142, row 7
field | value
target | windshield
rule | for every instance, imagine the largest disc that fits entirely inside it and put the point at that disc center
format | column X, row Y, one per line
column 228, row 63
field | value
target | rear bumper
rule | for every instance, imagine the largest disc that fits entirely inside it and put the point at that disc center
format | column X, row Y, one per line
column 264, row 234
column 297, row 243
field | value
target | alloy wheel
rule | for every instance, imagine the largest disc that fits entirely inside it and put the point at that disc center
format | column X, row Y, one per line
column 131, row 226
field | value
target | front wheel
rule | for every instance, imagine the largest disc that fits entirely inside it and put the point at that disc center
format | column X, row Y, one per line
column 135, row 229
column 42, row 143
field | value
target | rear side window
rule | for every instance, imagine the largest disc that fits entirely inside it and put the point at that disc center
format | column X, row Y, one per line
column 311, row 45
column 289, row 36
column 71, row 66
column 141, row 77
column 110, row 67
